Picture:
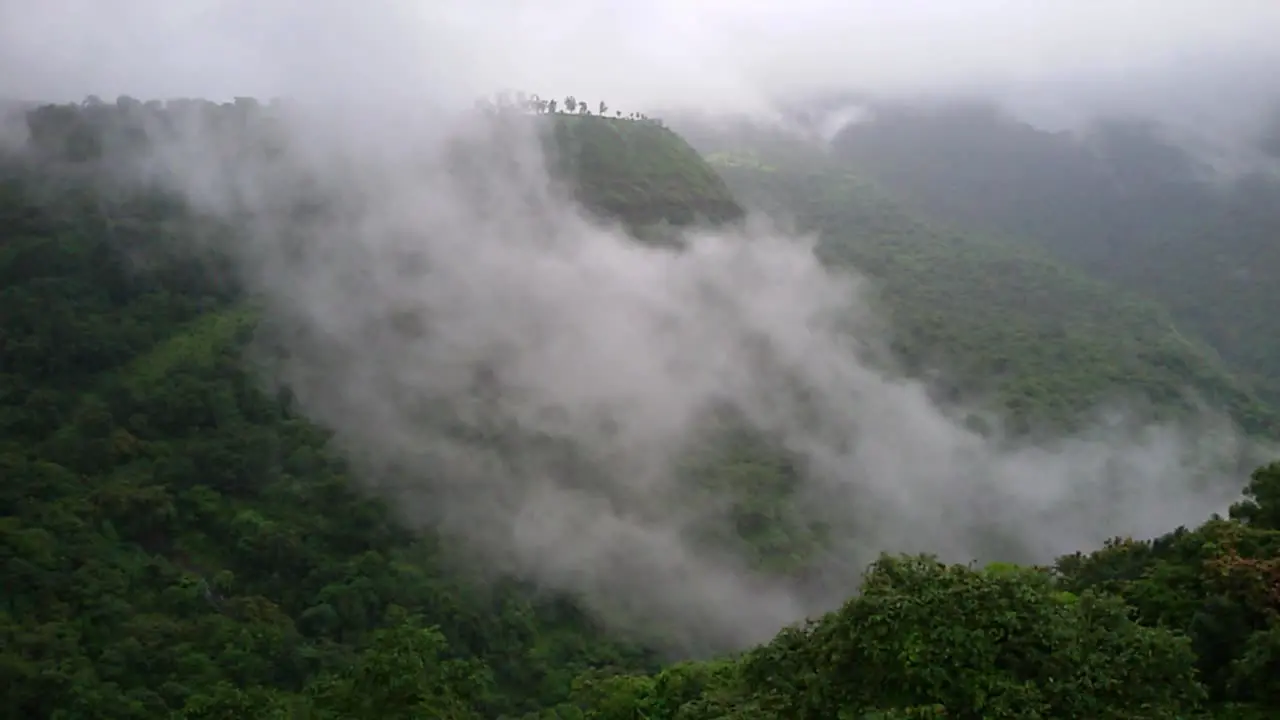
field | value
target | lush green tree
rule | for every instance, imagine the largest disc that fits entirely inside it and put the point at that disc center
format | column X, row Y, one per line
column 1219, row 584
column 1261, row 506
column 403, row 673
column 995, row 643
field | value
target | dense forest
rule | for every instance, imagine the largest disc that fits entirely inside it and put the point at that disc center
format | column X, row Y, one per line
column 178, row 541
column 1002, row 317
column 1121, row 199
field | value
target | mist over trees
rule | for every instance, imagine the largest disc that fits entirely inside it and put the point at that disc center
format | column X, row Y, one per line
column 180, row 540
column 533, row 103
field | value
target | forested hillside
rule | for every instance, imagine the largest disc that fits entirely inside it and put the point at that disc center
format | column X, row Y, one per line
column 641, row 172
column 177, row 541
column 1120, row 200
column 997, row 317
column 175, row 538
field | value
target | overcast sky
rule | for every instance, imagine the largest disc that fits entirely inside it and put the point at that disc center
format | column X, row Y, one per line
column 629, row 52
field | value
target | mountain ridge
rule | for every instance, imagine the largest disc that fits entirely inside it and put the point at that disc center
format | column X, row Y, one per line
column 1120, row 202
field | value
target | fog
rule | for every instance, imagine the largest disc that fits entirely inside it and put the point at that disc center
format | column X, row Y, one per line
column 529, row 380
column 1208, row 69
column 472, row 289
column 723, row 54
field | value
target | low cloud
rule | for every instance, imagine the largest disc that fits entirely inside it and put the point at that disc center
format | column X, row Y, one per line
column 528, row 379
column 531, row 381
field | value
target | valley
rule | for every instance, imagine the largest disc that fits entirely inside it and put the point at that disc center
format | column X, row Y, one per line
column 184, row 535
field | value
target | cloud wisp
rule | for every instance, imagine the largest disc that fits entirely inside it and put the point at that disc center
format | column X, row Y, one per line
column 531, row 380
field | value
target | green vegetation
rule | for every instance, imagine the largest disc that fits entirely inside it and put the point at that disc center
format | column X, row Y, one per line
column 1002, row 319
column 1183, row 626
column 623, row 167
column 174, row 538
column 1118, row 201
column 176, row 542
column 640, row 172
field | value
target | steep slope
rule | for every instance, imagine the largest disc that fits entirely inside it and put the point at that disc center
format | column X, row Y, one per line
column 639, row 172
column 995, row 316
column 1120, row 201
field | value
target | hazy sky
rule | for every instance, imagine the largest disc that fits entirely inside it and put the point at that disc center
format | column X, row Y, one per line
column 631, row 52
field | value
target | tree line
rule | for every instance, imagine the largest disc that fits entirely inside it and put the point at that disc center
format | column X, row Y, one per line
column 535, row 104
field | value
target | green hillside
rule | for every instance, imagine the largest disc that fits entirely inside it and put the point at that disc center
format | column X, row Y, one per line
column 640, row 172
column 996, row 317
column 176, row 542
column 173, row 538
column 1119, row 201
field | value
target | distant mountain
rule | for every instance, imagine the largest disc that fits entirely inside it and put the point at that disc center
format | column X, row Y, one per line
column 1120, row 200
column 997, row 316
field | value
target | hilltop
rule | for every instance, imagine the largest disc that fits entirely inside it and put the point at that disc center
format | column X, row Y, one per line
column 627, row 169
column 640, row 172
